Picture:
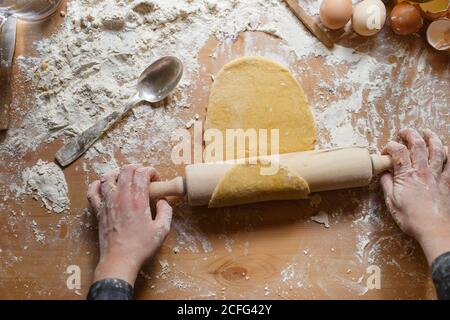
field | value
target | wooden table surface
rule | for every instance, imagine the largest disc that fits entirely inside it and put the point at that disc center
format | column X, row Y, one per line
column 260, row 251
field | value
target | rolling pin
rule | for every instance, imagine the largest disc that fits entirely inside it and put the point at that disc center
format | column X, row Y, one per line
column 323, row 170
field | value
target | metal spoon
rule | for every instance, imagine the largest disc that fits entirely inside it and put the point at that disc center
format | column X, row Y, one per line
column 154, row 84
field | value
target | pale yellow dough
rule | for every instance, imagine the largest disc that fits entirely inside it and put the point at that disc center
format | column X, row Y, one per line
column 255, row 93
column 244, row 184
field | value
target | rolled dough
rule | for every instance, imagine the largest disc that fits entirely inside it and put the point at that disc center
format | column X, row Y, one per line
column 244, row 184
column 255, row 93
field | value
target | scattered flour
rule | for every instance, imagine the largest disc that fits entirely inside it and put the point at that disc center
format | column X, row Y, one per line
column 165, row 269
column 288, row 273
column 38, row 234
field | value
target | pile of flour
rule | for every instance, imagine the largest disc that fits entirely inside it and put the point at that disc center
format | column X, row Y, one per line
column 47, row 183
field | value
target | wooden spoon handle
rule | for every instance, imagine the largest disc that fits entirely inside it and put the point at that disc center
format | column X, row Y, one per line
column 309, row 23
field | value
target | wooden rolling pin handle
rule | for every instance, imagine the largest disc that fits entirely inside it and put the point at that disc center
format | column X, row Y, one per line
column 161, row 189
column 384, row 163
column 380, row 163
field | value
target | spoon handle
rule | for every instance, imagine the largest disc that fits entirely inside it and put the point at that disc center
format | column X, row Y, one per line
column 78, row 146
column 7, row 41
column 7, row 46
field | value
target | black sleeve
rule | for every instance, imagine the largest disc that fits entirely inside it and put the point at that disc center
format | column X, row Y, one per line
column 440, row 271
column 110, row 289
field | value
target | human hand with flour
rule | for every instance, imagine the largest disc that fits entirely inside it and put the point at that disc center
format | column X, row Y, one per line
column 417, row 193
column 128, row 234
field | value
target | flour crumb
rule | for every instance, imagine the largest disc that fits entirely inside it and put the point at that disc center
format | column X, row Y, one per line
column 165, row 269
column 288, row 273
column 38, row 234
column 321, row 218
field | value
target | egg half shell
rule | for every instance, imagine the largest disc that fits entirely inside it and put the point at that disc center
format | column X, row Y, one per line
column 438, row 34
column 435, row 9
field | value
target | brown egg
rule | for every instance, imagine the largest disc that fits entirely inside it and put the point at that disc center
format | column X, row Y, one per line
column 406, row 19
column 335, row 14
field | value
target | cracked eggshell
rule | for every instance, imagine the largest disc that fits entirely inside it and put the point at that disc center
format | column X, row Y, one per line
column 435, row 9
column 431, row 9
column 438, row 34
column 369, row 17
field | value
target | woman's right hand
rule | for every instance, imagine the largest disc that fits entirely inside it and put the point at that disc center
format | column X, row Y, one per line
column 417, row 192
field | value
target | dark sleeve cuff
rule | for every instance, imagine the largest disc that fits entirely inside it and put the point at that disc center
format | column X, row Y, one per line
column 440, row 271
column 110, row 289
